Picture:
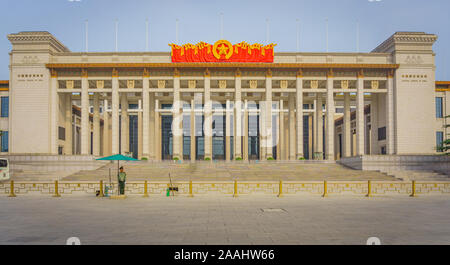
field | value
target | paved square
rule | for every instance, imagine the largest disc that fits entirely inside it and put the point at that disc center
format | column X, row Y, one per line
column 225, row 220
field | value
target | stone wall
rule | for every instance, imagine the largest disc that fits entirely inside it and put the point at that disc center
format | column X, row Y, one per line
column 50, row 163
column 385, row 163
column 229, row 188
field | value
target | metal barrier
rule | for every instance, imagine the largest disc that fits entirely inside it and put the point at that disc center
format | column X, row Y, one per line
column 232, row 188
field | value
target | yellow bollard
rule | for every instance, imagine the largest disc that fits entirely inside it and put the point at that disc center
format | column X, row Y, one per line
column 56, row 190
column 145, row 189
column 101, row 189
column 191, row 194
column 11, row 189
column 413, row 193
column 235, row 189
column 369, row 189
column 280, row 189
column 325, row 189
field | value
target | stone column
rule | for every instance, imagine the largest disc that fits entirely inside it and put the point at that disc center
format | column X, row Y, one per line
column 96, row 125
column 245, row 131
column 292, row 134
column 263, row 132
column 390, row 147
column 360, row 134
column 329, row 155
column 68, row 125
column 268, row 116
column 54, row 113
column 310, row 138
column 115, row 113
column 145, row 147
column 208, row 116
column 177, row 130
column 346, row 128
column 140, row 127
column 157, row 134
column 227, row 131
column 286, row 143
column 299, row 108
column 281, row 140
column 374, row 124
column 152, row 125
column 123, row 126
column 192, row 130
column 318, row 126
column 85, row 128
column 106, row 140
column 237, row 116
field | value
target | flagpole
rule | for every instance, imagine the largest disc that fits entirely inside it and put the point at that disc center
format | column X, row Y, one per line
column 298, row 34
column 326, row 20
column 146, row 35
column 116, row 33
column 357, row 36
column 221, row 25
column 267, row 31
column 176, row 31
column 86, row 35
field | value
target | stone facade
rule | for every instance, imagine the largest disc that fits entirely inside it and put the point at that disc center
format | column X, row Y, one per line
column 222, row 110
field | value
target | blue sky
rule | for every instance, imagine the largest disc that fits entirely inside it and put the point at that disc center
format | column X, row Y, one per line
column 244, row 20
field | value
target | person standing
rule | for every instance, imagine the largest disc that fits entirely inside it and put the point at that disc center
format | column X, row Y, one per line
column 122, row 180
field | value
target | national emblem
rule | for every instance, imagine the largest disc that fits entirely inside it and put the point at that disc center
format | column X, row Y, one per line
column 222, row 47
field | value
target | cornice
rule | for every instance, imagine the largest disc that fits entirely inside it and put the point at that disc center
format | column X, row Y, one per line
column 406, row 38
column 222, row 65
column 37, row 37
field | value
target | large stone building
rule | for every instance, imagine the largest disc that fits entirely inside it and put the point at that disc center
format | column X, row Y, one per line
column 302, row 105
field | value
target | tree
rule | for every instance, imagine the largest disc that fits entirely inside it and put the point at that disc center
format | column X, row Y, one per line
column 445, row 147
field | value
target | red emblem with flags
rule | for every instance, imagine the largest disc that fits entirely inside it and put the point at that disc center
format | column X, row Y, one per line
column 222, row 51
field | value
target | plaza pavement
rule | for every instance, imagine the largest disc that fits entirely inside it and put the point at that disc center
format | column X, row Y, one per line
column 225, row 220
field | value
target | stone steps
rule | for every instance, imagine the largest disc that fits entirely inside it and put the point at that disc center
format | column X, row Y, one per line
column 409, row 175
column 230, row 171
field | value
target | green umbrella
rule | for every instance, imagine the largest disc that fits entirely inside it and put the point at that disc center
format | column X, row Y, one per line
column 118, row 157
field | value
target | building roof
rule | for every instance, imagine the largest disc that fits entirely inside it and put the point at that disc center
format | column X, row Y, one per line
column 4, row 85
column 442, row 86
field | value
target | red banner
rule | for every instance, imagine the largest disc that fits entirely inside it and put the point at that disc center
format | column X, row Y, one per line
column 222, row 51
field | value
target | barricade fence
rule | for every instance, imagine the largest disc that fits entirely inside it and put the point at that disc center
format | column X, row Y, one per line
column 231, row 188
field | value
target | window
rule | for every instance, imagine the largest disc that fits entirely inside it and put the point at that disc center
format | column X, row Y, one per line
column 4, row 138
column 5, row 107
column 218, row 106
column 166, row 106
column 439, row 140
column 438, row 107
column 381, row 133
column 133, row 106
column 61, row 133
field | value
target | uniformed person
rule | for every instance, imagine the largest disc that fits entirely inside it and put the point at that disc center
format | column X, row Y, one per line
column 122, row 180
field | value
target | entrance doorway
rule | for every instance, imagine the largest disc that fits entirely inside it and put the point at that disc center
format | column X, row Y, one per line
column 166, row 137
column 253, row 137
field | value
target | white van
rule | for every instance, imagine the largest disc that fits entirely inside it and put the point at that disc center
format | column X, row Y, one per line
column 4, row 169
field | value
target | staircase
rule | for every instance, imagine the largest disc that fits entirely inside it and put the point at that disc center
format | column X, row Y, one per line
column 221, row 171
column 409, row 175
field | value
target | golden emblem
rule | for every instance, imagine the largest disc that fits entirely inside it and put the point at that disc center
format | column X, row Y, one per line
column 222, row 47
column 69, row 84
column 375, row 84
column 100, row 84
